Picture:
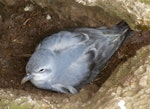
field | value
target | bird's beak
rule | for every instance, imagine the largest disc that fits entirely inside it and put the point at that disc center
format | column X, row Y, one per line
column 26, row 78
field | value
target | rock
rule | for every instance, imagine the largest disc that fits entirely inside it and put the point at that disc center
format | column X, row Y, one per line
column 135, row 12
column 92, row 16
column 128, row 87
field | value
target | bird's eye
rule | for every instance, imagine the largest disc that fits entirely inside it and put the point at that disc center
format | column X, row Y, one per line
column 41, row 70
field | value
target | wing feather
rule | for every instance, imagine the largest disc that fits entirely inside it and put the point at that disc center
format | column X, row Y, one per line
column 62, row 40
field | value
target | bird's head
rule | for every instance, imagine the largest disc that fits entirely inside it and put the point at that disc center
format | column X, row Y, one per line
column 40, row 67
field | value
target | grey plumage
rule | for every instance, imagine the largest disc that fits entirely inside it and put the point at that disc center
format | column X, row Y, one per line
column 66, row 61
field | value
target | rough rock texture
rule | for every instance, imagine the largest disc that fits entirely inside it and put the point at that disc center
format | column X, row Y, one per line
column 128, row 87
column 24, row 24
column 135, row 12
column 19, row 99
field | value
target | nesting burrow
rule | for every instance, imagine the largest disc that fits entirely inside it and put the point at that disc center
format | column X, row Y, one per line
column 24, row 24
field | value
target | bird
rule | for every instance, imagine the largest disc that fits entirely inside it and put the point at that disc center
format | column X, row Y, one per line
column 68, row 60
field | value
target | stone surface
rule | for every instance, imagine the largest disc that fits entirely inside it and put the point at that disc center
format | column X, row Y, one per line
column 135, row 12
column 21, row 31
column 128, row 87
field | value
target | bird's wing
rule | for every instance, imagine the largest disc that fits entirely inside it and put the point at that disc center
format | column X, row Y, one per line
column 73, row 54
column 100, row 33
column 70, row 49
column 89, row 64
column 79, row 69
column 109, row 41
column 62, row 40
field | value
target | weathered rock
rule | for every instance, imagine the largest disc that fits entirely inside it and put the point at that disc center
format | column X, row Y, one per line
column 135, row 12
column 73, row 11
column 128, row 87
column 22, row 28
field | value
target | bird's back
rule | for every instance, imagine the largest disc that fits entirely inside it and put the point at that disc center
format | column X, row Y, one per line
column 82, row 53
column 106, row 41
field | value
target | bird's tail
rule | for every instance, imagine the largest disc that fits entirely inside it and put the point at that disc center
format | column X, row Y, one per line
column 124, row 28
column 124, row 31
